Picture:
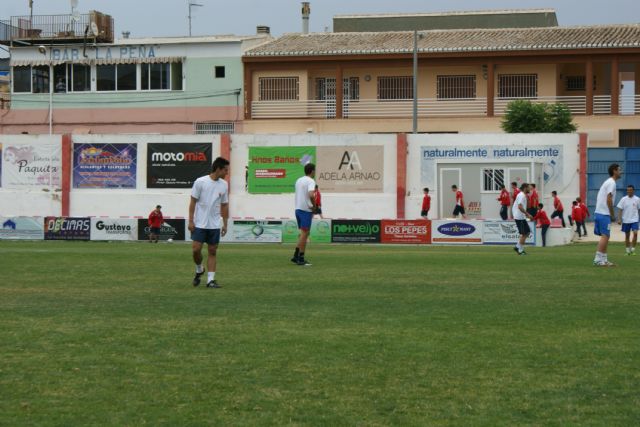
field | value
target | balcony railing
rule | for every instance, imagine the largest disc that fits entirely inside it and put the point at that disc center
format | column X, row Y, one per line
column 602, row 104
column 629, row 104
column 51, row 27
column 427, row 107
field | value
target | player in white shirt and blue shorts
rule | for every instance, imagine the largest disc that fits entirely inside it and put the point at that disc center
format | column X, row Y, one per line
column 604, row 214
column 628, row 216
column 305, row 199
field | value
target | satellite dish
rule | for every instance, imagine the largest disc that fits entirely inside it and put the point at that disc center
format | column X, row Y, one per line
column 94, row 29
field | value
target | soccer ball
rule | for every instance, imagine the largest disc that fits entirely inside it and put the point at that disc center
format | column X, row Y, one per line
column 169, row 240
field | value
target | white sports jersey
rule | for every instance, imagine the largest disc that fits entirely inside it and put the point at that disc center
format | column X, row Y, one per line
column 304, row 185
column 629, row 207
column 609, row 186
column 210, row 195
column 521, row 199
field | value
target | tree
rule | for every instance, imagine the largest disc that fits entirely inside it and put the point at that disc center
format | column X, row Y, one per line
column 523, row 116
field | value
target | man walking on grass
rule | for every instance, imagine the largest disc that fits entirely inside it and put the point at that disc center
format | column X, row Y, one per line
column 208, row 215
column 604, row 214
column 305, row 199
column 628, row 216
column 520, row 215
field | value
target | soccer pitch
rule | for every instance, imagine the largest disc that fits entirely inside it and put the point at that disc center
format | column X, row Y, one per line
column 114, row 334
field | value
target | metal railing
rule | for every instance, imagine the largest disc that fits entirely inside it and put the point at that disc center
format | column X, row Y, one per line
column 602, row 104
column 293, row 109
column 427, row 107
column 629, row 104
column 56, row 27
column 576, row 104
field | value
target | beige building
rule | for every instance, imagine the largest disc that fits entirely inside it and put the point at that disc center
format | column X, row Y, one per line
column 362, row 82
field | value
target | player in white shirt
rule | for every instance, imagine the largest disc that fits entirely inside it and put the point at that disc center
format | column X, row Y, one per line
column 520, row 215
column 305, row 199
column 208, row 215
column 628, row 216
column 604, row 214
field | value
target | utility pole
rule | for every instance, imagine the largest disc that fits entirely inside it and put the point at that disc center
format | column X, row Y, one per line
column 191, row 4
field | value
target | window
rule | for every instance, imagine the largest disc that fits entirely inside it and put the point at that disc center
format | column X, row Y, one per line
column 80, row 76
column 629, row 137
column 517, row 85
column 395, row 87
column 278, row 89
column 106, row 77
column 493, row 179
column 219, row 72
column 577, row 83
column 176, row 76
column 326, row 88
column 456, row 87
column 21, row 79
column 126, row 77
column 156, row 76
column 213, row 128
column 60, row 78
column 40, row 78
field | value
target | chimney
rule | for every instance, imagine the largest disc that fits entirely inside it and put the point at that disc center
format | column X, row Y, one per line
column 126, row 34
column 263, row 29
column 306, row 11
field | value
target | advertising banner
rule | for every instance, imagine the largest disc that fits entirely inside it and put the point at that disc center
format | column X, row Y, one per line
column 400, row 231
column 550, row 155
column 505, row 233
column 22, row 228
column 67, row 228
column 0, row 165
column 350, row 169
column 114, row 229
column 29, row 166
column 257, row 231
column 104, row 165
column 275, row 169
column 173, row 228
column 355, row 231
column 456, row 232
column 320, row 231
column 177, row 165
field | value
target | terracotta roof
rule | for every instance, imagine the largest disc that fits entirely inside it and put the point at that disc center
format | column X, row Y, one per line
column 453, row 13
column 438, row 41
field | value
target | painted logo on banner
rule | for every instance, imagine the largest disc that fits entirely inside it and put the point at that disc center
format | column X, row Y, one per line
column 505, row 233
column 253, row 231
column 456, row 232
column 28, row 166
column 22, row 228
column 172, row 228
column 320, row 231
column 399, row 231
column 67, row 228
column 350, row 169
column 114, row 229
column 177, row 165
column 275, row 169
column 355, row 231
column 104, row 165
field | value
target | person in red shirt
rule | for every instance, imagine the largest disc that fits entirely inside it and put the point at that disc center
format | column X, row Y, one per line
column 577, row 215
column 585, row 215
column 543, row 220
column 317, row 210
column 459, row 209
column 155, row 223
column 505, row 201
column 558, row 209
column 534, row 200
column 426, row 204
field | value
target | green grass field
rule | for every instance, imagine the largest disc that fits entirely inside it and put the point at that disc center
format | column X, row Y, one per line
column 114, row 334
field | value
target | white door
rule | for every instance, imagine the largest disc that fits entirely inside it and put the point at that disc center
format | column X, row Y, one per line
column 447, row 198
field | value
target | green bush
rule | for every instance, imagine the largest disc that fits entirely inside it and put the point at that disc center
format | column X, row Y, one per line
column 523, row 116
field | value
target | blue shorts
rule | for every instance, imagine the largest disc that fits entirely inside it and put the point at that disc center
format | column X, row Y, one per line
column 304, row 219
column 210, row 236
column 628, row 227
column 602, row 225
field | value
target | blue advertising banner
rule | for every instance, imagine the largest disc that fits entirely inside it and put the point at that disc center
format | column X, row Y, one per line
column 22, row 228
column 104, row 165
column 67, row 228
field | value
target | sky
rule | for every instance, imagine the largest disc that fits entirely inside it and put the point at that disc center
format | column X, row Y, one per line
column 157, row 18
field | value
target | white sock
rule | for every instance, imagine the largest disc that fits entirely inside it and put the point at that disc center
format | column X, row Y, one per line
column 633, row 249
column 211, row 276
column 628, row 250
column 598, row 257
column 199, row 269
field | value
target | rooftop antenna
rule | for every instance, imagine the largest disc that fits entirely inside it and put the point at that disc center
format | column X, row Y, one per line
column 192, row 4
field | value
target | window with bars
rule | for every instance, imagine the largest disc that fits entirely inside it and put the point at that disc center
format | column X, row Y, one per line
column 395, row 87
column 213, row 128
column 278, row 88
column 575, row 83
column 493, row 179
column 517, row 85
column 456, row 87
column 326, row 88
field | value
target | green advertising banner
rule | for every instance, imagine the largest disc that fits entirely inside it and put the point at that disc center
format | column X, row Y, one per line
column 320, row 231
column 275, row 170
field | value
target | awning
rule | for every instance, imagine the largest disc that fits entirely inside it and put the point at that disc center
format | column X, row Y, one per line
column 87, row 61
column 39, row 62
